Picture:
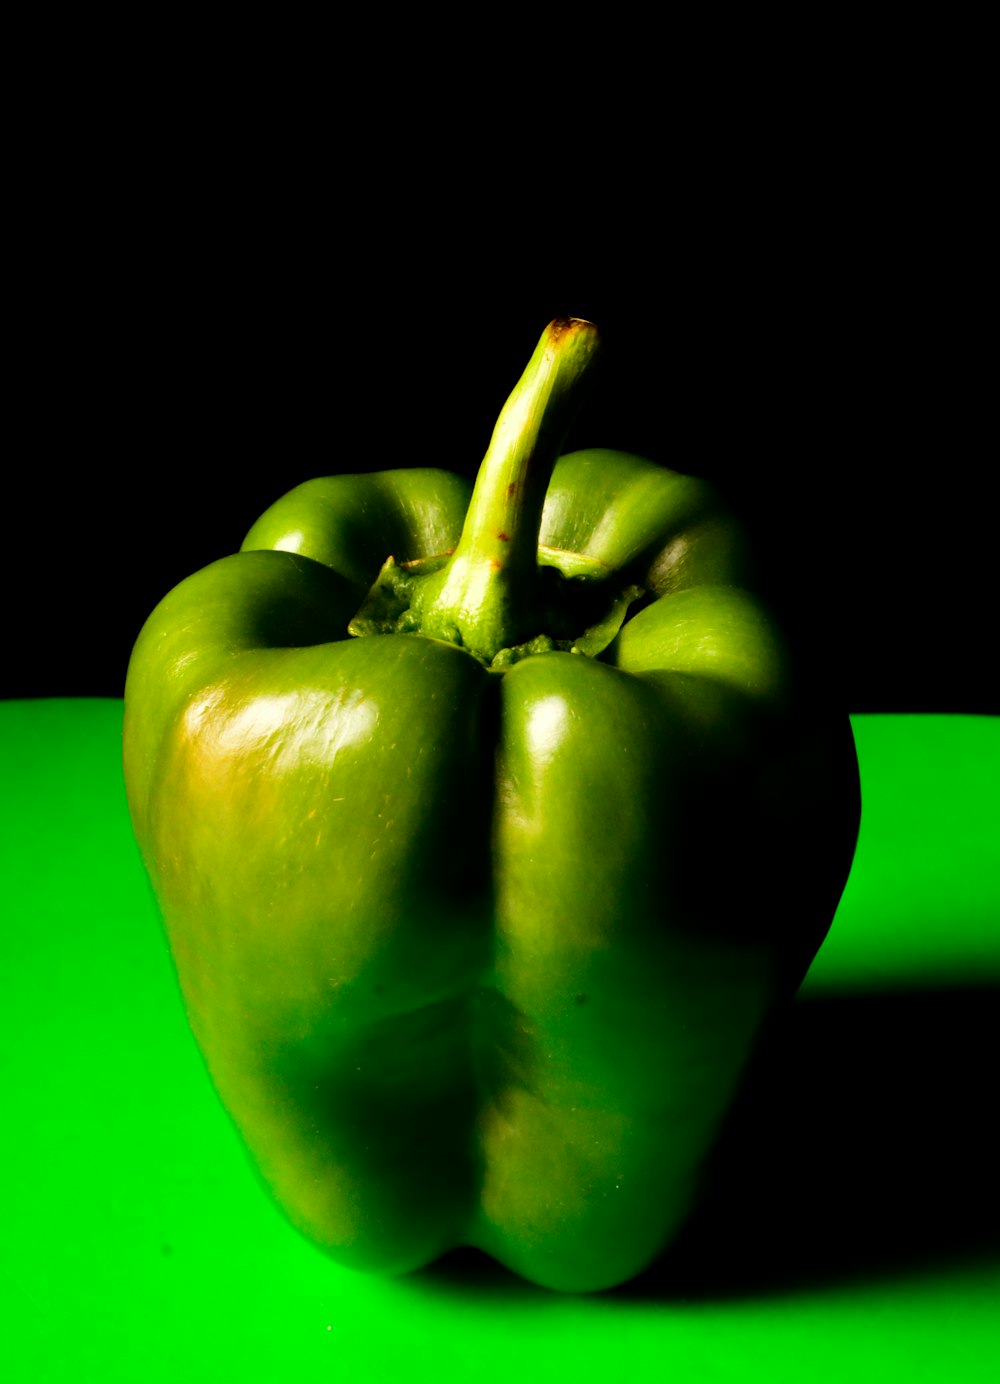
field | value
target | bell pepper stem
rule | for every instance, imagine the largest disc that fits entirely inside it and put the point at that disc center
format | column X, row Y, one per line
column 485, row 598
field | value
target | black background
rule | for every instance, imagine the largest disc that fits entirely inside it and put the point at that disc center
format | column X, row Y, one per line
column 204, row 326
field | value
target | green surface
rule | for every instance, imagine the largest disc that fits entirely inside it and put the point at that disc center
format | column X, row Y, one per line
column 852, row 1232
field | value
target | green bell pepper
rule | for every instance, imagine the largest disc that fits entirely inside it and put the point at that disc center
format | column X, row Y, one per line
column 488, row 834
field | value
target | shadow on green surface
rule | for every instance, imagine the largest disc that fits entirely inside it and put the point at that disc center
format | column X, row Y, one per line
column 469, row 1271
column 865, row 1146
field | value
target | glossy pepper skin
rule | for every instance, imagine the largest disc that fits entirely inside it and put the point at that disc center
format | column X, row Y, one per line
column 477, row 924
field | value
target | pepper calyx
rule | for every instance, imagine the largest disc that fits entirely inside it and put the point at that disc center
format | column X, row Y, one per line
column 582, row 605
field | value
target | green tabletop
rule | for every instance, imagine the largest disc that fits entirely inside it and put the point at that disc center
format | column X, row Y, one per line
column 851, row 1231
